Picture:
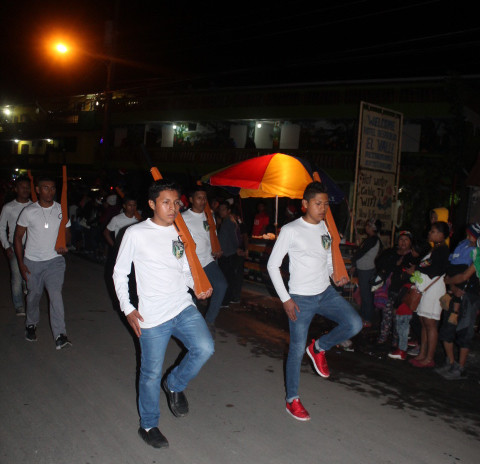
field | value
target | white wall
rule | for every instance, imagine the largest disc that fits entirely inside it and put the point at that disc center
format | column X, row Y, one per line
column 264, row 135
column 239, row 135
column 167, row 136
column 289, row 136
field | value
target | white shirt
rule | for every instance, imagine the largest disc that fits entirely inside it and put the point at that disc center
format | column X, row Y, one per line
column 120, row 221
column 199, row 229
column 162, row 277
column 41, row 240
column 8, row 220
column 310, row 259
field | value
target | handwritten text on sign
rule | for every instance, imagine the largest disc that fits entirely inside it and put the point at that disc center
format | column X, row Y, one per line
column 374, row 197
column 380, row 135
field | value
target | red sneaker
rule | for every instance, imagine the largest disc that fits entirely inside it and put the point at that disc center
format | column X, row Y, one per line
column 319, row 361
column 398, row 354
column 296, row 409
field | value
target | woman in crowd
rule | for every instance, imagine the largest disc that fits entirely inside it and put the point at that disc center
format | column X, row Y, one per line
column 432, row 266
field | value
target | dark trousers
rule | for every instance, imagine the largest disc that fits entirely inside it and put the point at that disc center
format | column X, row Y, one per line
column 232, row 268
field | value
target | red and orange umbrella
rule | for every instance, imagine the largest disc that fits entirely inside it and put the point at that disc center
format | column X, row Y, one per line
column 276, row 175
column 265, row 177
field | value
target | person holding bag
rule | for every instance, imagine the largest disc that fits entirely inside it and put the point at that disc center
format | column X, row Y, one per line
column 432, row 266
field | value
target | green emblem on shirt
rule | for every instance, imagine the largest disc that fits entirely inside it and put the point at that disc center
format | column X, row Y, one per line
column 177, row 248
column 326, row 241
column 206, row 226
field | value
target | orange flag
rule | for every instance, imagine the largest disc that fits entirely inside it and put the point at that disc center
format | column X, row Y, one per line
column 32, row 186
column 212, row 229
column 339, row 269
column 200, row 279
column 61, row 238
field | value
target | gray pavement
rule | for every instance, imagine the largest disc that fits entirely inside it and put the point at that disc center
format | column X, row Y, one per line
column 79, row 405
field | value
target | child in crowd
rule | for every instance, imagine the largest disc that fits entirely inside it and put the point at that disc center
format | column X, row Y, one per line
column 403, row 316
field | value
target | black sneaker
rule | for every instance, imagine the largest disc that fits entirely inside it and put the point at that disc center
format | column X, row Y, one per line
column 153, row 437
column 177, row 401
column 30, row 333
column 62, row 342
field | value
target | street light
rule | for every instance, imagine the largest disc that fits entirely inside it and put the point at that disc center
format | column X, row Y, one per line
column 64, row 49
column 61, row 48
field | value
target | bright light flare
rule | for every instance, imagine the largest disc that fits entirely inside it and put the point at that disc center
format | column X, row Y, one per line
column 61, row 48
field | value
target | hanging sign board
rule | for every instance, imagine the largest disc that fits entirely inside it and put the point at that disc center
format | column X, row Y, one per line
column 377, row 168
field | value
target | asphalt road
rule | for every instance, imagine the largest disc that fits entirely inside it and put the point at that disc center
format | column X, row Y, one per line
column 78, row 406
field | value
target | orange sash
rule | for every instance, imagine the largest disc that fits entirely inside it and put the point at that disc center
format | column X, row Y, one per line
column 61, row 238
column 212, row 227
column 32, row 186
column 200, row 280
column 339, row 269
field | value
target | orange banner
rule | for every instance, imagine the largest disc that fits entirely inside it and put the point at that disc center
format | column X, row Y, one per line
column 339, row 269
column 213, row 230
column 61, row 238
column 32, row 186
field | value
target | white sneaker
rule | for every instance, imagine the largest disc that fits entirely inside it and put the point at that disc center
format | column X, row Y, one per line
column 347, row 345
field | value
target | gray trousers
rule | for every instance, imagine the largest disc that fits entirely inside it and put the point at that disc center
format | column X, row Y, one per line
column 49, row 275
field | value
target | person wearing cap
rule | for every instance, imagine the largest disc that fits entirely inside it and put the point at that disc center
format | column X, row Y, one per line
column 460, row 328
column 461, row 259
column 363, row 263
column 392, row 264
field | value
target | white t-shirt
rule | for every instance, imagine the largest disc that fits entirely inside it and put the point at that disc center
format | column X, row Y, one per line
column 8, row 220
column 310, row 259
column 41, row 239
column 161, row 271
column 120, row 221
column 200, row 230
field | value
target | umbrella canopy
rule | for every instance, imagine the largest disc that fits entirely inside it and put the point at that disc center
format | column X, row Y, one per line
column 276, row 175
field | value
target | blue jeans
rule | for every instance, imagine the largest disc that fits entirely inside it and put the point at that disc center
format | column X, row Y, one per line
column 190, row 328
column 17, row 284
column 219, row 285
column 403, row 329
column 328, row 304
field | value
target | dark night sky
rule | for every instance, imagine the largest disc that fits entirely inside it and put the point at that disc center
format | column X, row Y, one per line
column 184, row 44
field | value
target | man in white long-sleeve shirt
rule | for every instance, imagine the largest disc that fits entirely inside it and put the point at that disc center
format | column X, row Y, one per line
column 308, row 245
column 197, row 223
column 165, row 308
column 8, row 222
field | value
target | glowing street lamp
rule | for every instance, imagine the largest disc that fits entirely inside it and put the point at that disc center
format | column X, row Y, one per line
column 61, row 48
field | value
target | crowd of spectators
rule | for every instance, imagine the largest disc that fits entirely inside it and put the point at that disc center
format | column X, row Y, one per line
column 447, row 275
